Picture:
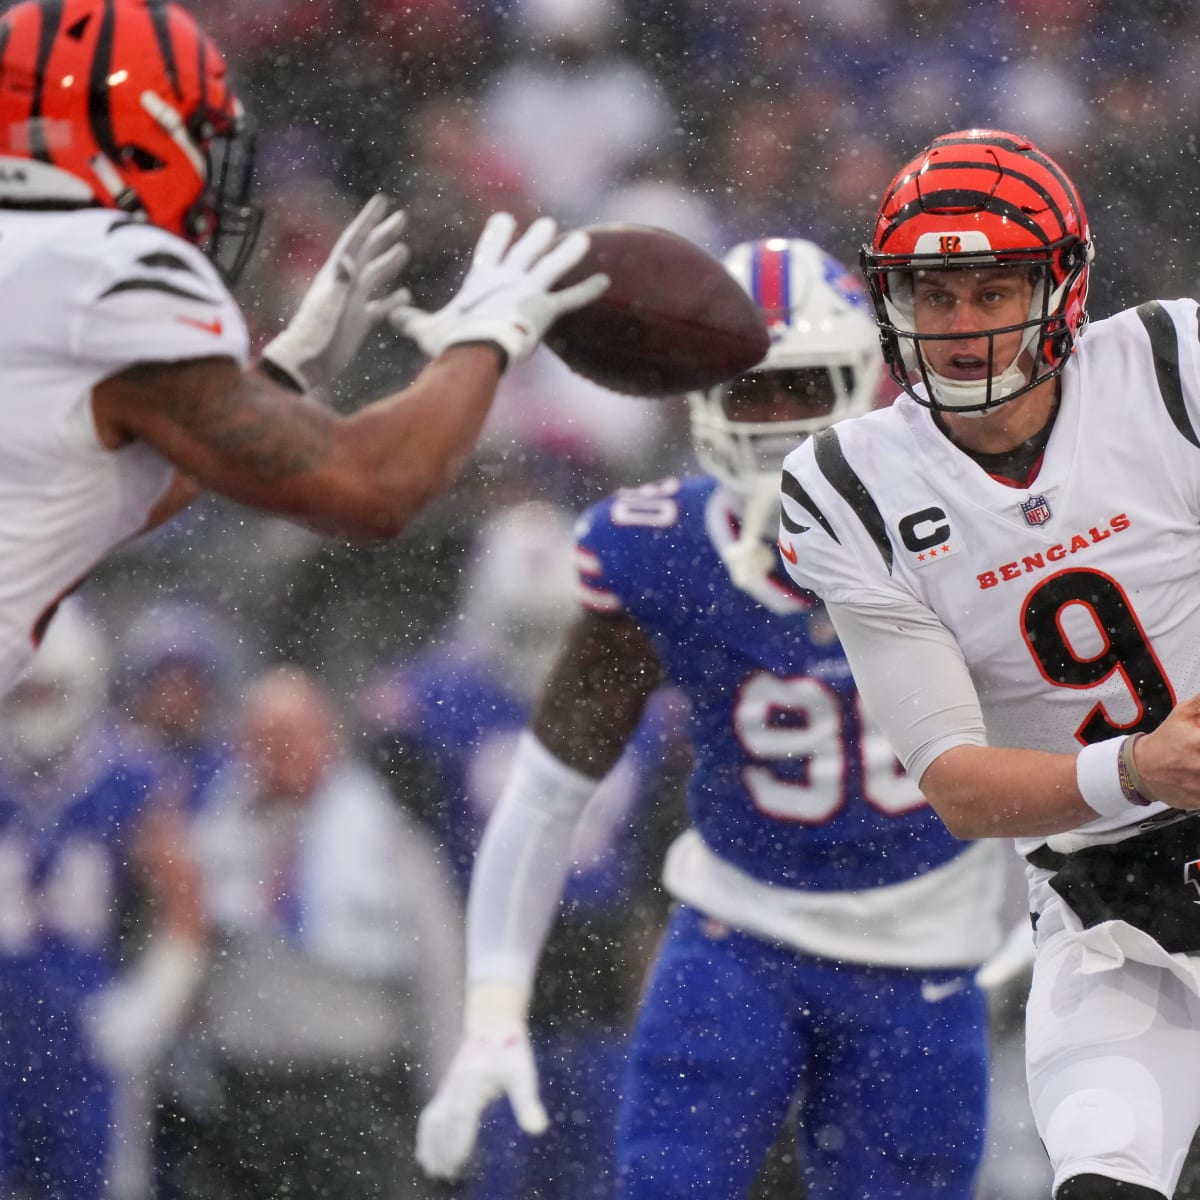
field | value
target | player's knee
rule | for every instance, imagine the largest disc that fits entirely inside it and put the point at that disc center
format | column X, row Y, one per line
column 1096, row 1187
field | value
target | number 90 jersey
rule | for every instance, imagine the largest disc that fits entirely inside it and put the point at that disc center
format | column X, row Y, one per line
column 790, row 785
column 1075, row 601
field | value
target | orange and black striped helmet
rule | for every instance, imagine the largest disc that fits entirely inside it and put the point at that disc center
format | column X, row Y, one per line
column 970, row 199
column 125, row 104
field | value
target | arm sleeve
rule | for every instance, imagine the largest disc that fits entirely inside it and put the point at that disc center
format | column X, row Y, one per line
column 523, row 862
column 912, row 678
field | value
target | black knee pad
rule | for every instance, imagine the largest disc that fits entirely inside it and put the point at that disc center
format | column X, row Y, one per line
column 1096, row 1187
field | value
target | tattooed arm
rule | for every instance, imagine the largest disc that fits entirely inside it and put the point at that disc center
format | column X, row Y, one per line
column 237, row 432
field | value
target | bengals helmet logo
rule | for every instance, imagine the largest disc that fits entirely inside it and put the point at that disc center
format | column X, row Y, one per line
column 950, row 243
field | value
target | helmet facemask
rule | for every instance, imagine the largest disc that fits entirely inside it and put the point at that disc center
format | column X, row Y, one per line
column 742, row 445
column 232, row 220
column 1041, row 354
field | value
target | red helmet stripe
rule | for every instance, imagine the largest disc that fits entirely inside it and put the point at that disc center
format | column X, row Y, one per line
column 769, row 278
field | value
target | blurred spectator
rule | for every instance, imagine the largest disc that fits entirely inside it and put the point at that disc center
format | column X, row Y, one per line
column 656, row 191
column 180, row 663
column 90, row 859
column 338, row 935
column 762, row 178
column 448, row 723
column 571, row 108
column 461, row 179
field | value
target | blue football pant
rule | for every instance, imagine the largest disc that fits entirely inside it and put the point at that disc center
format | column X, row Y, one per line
column 579, row 1077
column 891, row 1086
column 55, row 1112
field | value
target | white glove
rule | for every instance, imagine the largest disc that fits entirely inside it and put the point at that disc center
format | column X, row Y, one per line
column 1014, row 957
column 505, row 297
column 344, row 302
column 494, row 1059
column 134, row 1021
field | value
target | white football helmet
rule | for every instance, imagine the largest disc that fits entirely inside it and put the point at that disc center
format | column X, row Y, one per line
column 519, row 593
column 824, row 354
column 60, row 696
column 824, row 345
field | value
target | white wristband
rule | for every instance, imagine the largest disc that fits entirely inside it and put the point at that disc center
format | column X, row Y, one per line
column 492, row 1005
column 1098, row 776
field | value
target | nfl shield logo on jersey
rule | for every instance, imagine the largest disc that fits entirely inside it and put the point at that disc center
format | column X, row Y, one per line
column 1036, row 510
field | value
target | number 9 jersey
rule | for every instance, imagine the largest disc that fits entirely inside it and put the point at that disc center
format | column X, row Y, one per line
column 1073, row 602
column 805, row 829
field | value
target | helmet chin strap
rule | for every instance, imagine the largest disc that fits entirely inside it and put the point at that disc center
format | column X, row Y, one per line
column 957, row 394
column 752, row 557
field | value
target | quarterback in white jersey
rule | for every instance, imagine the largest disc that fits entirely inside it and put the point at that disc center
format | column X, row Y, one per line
column 125, row 163
column 1009, row 555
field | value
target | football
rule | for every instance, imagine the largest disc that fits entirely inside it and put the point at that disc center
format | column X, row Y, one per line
column 673, row 319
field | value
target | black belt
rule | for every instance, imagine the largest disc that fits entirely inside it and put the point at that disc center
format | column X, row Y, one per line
column 1046, row 859
column 1150, row 880
column 1054, row 860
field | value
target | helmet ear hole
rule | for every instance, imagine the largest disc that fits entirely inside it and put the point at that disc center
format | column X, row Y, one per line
column 140, row 158
column 198, row 223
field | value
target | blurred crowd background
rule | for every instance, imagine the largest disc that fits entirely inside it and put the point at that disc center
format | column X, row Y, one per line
column 722, row 121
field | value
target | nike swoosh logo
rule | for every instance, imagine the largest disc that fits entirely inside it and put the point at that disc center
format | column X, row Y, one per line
column 214, row 326
column 933, row 990
column 788, row 552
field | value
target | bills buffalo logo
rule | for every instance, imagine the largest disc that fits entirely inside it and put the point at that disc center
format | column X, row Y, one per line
column 846, row 284
column 1035, row 510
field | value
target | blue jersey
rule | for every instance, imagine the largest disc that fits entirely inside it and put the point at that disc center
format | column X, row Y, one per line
column 792, row 784
column 65, row 849
column 64, row 869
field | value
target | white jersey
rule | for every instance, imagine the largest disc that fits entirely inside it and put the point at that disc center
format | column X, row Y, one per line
column 1063, row 597
column 85, row 294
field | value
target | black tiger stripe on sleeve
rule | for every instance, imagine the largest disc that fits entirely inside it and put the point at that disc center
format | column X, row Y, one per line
column 1164, row 345
column 792, row 489
column 845, row 481
column 156, row 285
column 163, row 258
